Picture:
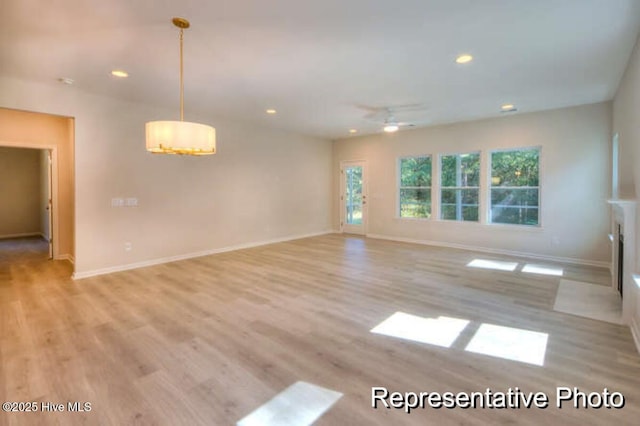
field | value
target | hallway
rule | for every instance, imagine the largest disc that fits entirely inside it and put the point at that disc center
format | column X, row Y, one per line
column 23, row 250
column 24, row 259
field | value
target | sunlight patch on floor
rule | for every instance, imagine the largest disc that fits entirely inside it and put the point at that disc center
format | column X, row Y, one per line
column 493, row 264
column 441, row 331
column 300, row 404
column 509, row 343
column 542, row 270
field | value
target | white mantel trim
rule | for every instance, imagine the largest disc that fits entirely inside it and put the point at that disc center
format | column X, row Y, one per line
column 635, row 319
column 626, row 208
column 623, row 201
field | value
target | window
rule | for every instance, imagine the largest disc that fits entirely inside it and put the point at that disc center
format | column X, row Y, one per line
column 415, row 187
column 459, row 186
column 515, row 190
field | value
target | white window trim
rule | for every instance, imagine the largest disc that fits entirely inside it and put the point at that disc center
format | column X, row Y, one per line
column 484, row 190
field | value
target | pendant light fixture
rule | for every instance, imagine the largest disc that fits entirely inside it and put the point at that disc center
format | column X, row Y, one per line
column 180, row 137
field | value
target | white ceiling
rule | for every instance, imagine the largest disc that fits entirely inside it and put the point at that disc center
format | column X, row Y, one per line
column 318, row 63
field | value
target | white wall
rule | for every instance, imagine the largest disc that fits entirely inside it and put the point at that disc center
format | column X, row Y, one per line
column 626, row 122
column 263, row 184
column 575, row 181
column 19, row 192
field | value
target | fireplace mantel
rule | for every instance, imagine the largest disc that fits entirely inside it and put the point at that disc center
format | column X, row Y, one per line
column 623, row 201
column 624, row 214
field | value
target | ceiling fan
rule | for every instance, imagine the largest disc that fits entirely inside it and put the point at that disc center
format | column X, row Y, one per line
column 392, row 125
column 387, row 115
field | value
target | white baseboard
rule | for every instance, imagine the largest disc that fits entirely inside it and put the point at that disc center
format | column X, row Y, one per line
column 23, row 235
column 495, row 251
column 68, row 257
column 152, row 262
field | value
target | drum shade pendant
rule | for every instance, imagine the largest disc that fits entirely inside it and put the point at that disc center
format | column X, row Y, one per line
column 180, row 137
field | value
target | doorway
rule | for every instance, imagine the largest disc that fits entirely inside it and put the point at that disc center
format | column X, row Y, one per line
column 35, row 130
column 26, row 201
column 353, row 197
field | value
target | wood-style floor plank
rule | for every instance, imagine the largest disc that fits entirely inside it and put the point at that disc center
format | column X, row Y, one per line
column 208, row 340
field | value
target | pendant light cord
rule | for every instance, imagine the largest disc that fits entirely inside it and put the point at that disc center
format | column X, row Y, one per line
column 181, row 77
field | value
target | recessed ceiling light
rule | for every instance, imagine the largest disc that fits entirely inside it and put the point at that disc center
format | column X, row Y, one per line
column 464, row 58
column 390, row 128
column 271, row 111
column 352, row 131
column 508, row 108
column 120, row 73
column 66, row 80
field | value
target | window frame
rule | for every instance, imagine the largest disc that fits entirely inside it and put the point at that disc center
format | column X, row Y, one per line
column 490, row 187
column 478, row 188
column 399, row 187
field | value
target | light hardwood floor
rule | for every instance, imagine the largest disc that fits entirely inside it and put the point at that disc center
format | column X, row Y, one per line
column 209, row 340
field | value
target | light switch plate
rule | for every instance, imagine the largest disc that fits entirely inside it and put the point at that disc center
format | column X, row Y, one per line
column 117, row 202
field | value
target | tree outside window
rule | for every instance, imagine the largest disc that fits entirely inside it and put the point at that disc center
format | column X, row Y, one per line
column 459, row 186
column 515, row 187
column 415, row 187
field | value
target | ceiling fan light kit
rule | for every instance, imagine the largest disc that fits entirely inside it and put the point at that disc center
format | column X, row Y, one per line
column 180, row 137
column 386, row 115
column 391, row 127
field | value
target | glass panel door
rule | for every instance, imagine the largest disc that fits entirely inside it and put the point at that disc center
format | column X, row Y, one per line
column 353, row 198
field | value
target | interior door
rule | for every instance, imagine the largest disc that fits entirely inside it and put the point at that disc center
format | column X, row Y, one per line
column 353, row 197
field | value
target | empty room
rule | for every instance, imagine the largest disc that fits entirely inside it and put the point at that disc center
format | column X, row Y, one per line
column 348, row 212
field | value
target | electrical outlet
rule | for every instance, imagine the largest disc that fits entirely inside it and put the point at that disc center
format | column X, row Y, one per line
column 555, row 241
column 128, row 246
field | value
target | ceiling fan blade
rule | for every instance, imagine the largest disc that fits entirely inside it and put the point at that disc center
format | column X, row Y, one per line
column 408, row 107
column 370, row 108
column 390, row 109
column 377, row 115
